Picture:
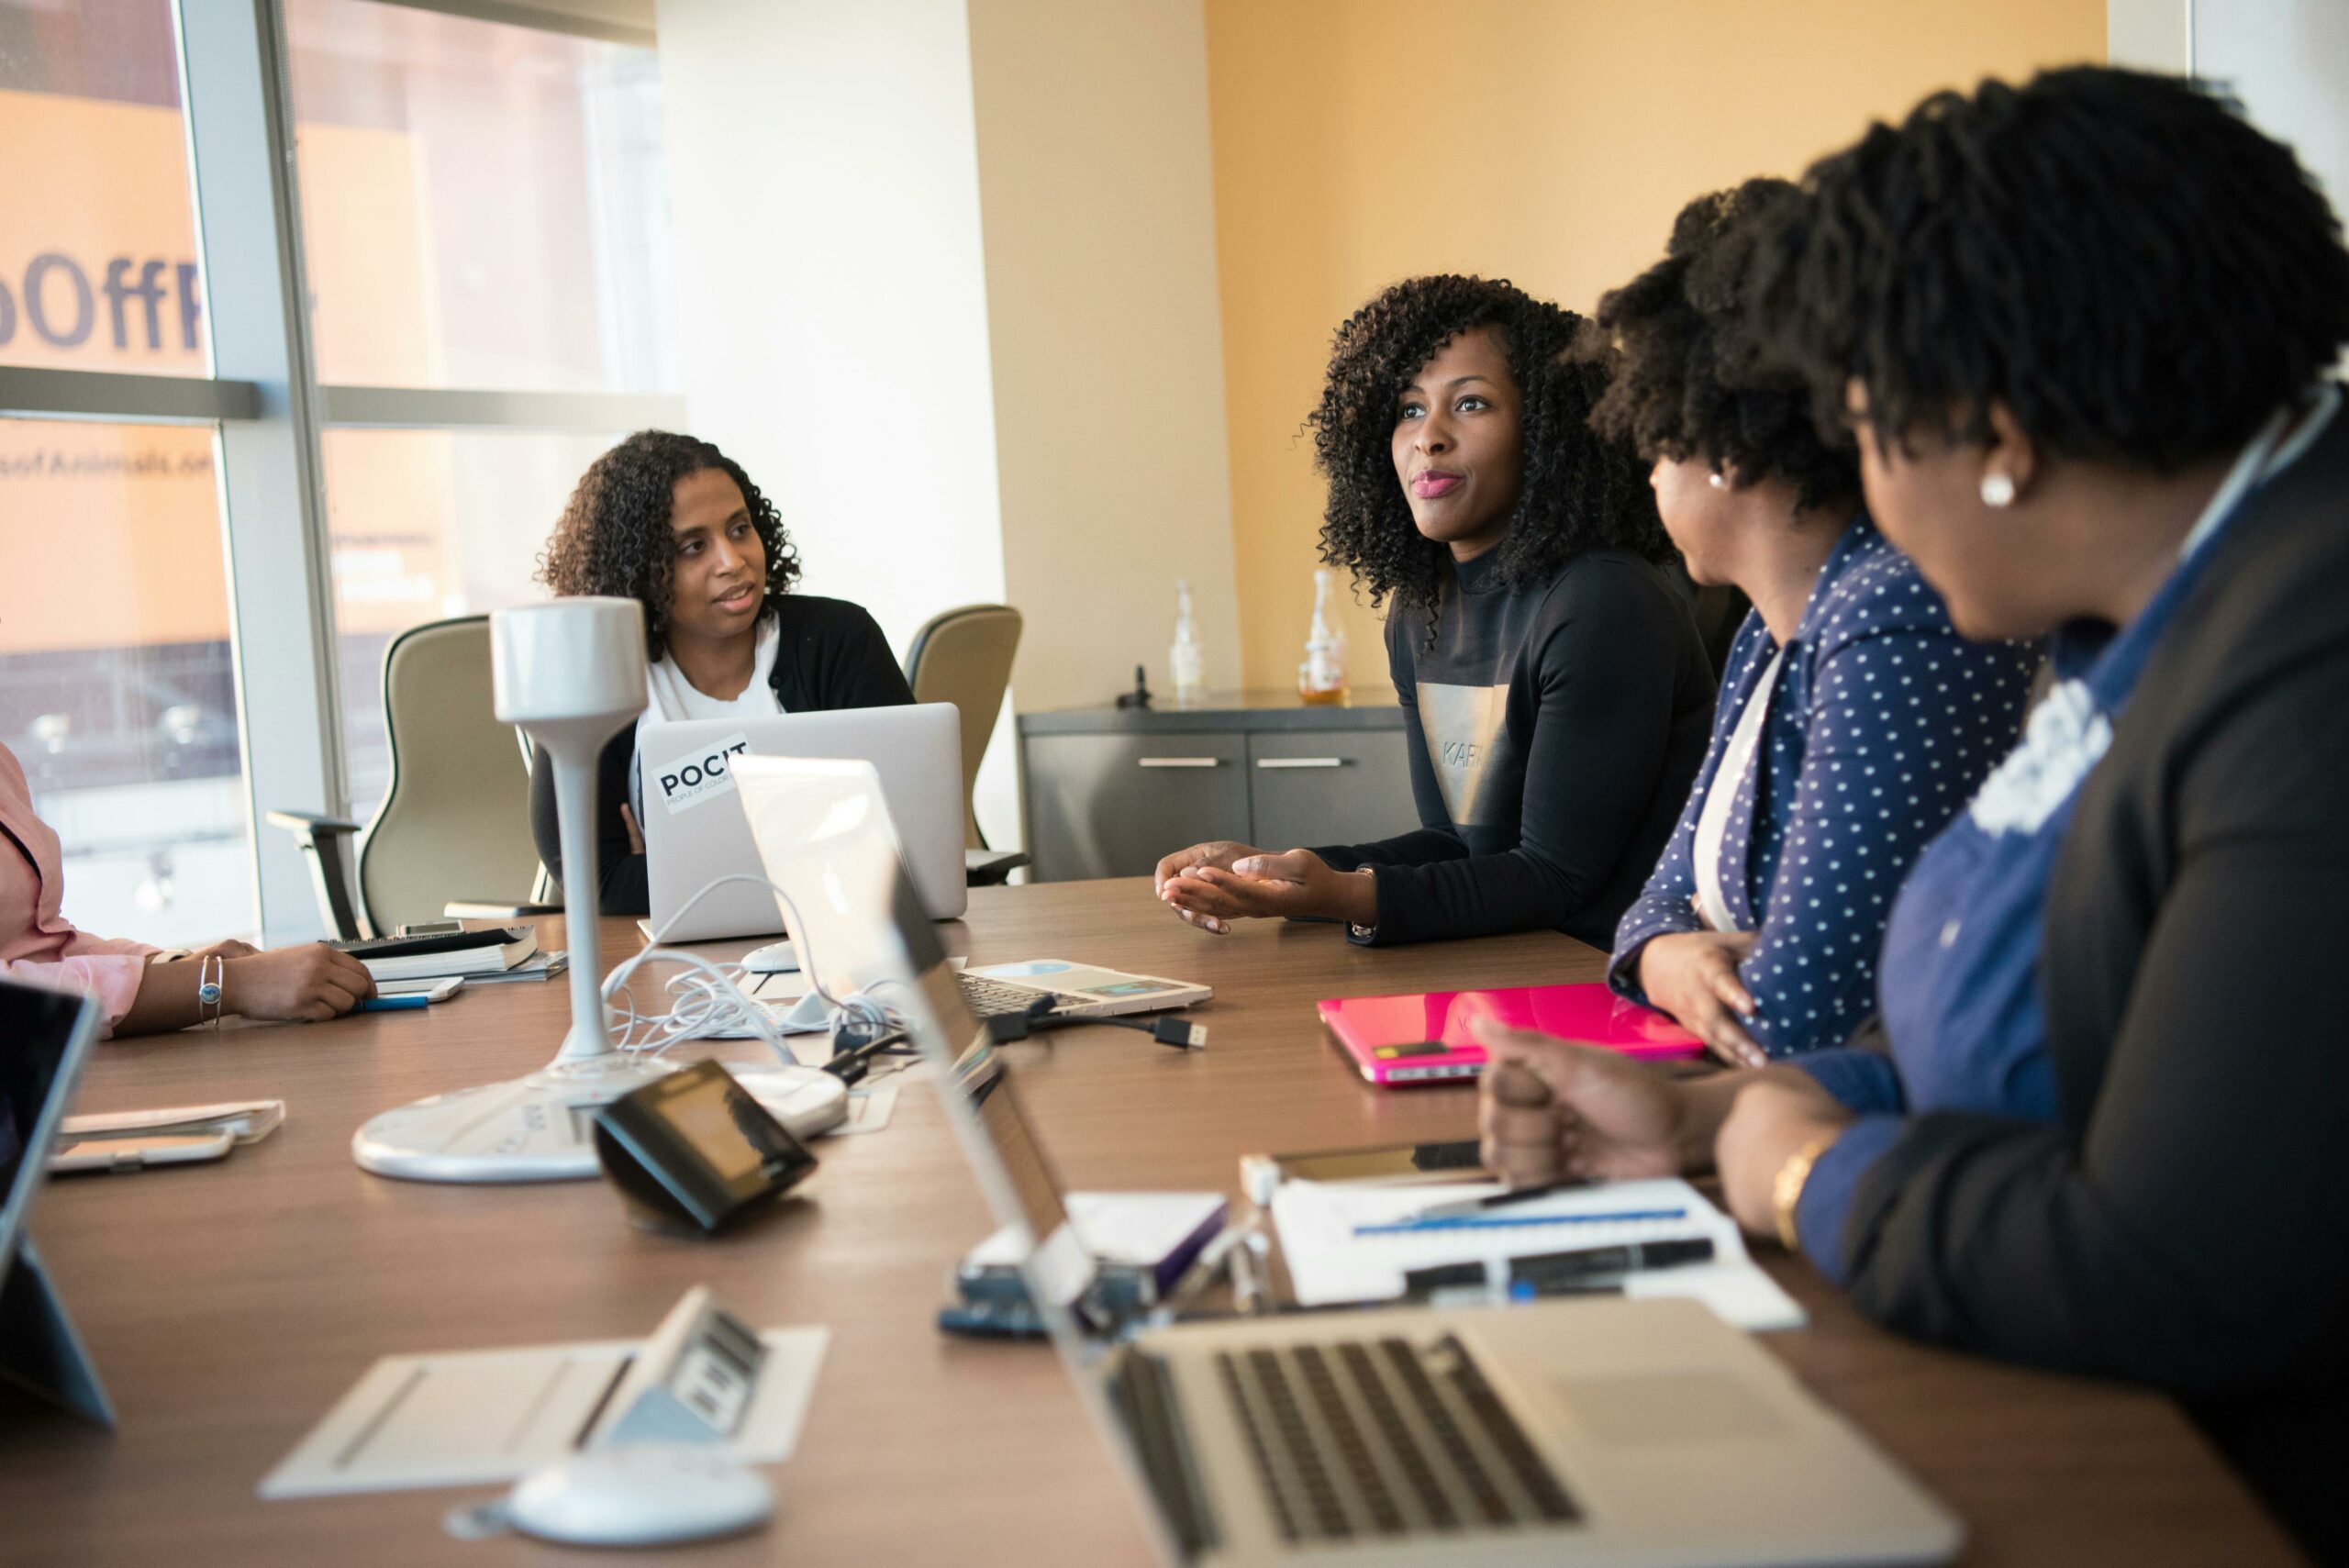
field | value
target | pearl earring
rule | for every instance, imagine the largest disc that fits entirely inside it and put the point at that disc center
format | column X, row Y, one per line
column 1998, row 490
column 1717, row 480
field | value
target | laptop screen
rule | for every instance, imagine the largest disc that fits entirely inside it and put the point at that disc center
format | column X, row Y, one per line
column 824, row 836
column 44, row 1038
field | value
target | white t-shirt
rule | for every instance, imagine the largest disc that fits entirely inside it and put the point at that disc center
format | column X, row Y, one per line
column 670, row 698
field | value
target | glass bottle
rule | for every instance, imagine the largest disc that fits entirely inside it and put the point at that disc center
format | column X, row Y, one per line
column 1321, row 679
column 1186, row 662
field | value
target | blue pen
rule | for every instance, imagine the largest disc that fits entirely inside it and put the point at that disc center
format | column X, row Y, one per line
column 1514, row 1221
column 394, row 1003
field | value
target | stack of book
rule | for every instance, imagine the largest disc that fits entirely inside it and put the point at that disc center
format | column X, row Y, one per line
column 508, row 953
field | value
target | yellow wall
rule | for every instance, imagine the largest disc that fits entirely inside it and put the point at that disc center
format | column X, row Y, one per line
column 1548, row 141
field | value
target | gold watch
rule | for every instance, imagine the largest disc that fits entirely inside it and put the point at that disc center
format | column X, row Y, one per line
column 1786, row 1193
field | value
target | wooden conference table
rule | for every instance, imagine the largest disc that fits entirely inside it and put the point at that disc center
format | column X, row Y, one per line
column 229, row 1304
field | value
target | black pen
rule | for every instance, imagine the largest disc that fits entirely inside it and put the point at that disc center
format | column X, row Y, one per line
column 1555, row 1274
column 1466, row 1207
column 1546, row 1271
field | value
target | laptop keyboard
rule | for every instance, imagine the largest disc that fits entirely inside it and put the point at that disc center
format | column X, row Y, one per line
column 1371, row 1439
column 990, row 998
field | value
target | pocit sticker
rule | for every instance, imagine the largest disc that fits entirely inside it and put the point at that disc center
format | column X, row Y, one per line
column 699, row 775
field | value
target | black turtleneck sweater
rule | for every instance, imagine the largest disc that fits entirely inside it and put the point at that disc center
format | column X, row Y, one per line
column 1555, row 729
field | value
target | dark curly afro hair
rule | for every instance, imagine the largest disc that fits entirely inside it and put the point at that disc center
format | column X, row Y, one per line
column 1581, row 491
column 614, row 534
column 2117, row 257
column 1690, row 381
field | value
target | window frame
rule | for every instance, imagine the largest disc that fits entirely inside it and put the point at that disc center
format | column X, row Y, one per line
column 271, row 413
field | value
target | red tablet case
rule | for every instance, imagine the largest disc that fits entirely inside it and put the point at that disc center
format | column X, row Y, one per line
column 1424, row 1038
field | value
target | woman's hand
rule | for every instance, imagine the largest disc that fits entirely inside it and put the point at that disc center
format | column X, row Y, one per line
column 1218, row 852
column 1774, row 1115
column 1253, row 884
column 223, row 950
column 1550, row 1111
column 635, row 833
column 1693, row 976
column 312, row 983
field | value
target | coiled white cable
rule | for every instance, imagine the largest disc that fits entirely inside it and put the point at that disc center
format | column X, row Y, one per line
column 709, row 999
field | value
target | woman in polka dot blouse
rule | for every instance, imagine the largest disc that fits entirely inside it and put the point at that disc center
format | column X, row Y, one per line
column 1853, row 721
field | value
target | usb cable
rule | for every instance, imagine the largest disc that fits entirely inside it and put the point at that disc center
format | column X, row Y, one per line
column 1005, row 1028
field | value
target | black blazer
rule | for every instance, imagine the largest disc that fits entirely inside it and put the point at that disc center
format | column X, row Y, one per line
column 2180, row 1228
column 831, row 655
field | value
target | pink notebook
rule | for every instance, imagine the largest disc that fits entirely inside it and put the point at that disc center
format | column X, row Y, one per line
column 1424, row 1038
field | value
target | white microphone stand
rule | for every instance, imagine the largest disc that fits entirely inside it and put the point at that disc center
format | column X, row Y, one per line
column 570, row 674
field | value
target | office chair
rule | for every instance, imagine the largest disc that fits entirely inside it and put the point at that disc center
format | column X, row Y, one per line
column 963, row 656
column 455, row 823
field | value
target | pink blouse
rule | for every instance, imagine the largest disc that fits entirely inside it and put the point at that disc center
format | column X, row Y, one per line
column 37, row 944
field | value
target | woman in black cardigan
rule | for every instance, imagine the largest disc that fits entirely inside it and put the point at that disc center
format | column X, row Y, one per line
column 675, row 524
column 2082, row 331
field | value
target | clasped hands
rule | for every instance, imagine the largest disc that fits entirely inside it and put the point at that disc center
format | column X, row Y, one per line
column 1214, row 884
column 1550, row 1111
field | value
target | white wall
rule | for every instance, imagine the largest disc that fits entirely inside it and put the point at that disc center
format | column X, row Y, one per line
column 2289, row 61
column 2286, row 59
column 823, row 176
column 950, row 295
column 2151, row 34
column 1098, row 197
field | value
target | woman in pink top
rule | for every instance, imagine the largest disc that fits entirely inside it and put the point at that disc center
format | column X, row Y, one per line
column 141, row 989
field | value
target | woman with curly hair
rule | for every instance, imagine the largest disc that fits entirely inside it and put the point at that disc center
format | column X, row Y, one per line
column 1554, row 689
column 2085, row 330
column 1847, row 672
column 675, row 524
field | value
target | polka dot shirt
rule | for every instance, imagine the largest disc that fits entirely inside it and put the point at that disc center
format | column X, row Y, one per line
column 1884, row 723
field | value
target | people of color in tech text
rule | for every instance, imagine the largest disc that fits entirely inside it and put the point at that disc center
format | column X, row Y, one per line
column 1555, row 693
column 675, row 524
column 141, row 989
column 1853, row 722
column 2099, row 1124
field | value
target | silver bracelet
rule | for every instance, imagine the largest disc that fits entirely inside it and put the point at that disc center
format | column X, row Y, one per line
column 209, row 988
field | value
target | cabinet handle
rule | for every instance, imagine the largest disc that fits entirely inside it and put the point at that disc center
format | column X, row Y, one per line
column 1300, row 762
column 1182, row 762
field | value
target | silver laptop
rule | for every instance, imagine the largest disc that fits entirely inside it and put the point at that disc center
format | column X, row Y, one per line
column 45, row 1038
column 695, row 831
column 1593, row 1432
column 825, row 834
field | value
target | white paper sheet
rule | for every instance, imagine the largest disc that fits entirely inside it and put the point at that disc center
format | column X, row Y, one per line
column 870, row 1106
column 1329, row 1263
column 476, row 1417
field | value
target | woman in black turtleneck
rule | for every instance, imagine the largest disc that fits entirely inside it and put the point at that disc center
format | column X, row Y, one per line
column 1556, row 694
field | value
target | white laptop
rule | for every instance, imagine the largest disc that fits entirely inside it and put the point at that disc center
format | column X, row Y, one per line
column 1594, row 1431
column 695, row 831
column 825, row 835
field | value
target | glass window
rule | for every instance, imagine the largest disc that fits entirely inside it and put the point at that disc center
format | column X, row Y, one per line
column 98, row 236
column 117, row 689
column 483, row 206
column 429, row 524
